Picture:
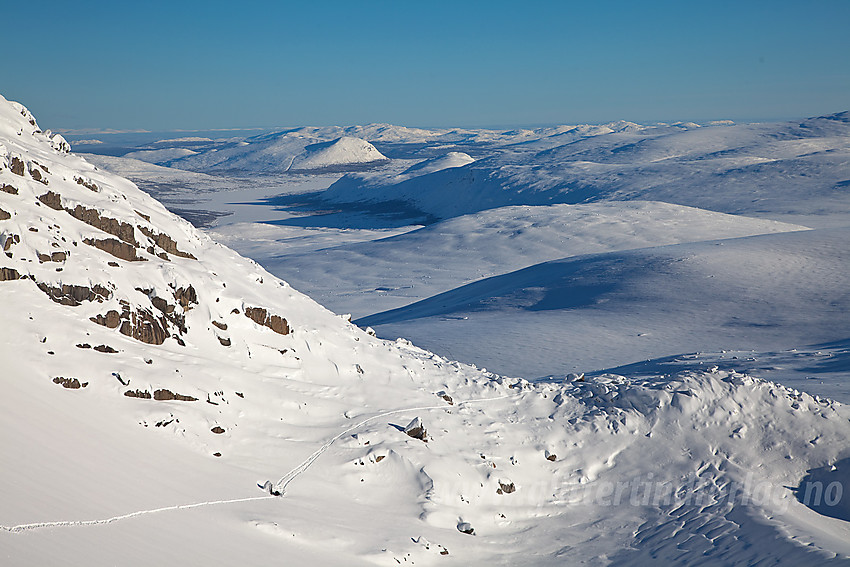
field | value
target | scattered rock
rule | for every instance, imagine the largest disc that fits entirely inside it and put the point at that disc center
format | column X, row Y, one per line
column 465, row 528
column 551, row 456
column 71, row 383
column 223, row 341
column 506, row 487
column 83, row 345
column 4, row 215
column 87, row 184
column 222, row 326
column 105, row 349
column 9, row 189
column 218, row 430
column 446, row 397
column 240, row 394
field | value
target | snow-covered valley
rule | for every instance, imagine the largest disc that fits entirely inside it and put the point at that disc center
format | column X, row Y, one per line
column 626, row 286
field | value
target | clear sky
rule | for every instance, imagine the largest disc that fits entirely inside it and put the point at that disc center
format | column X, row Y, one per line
column 186, row 64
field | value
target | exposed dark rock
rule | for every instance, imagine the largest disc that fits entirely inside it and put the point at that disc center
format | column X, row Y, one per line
column 380, row 458
column 17, row 166
column 83, row 345
column 551, row 456
column 9, row 274
column 4, row 215
column 165, row 395
column 123, row 230
column 87, row 184
column 240, row 394
column 274, row 322
column 222, row 326
column 117, row 248
column 54, row 257
column 165, row 242
column 143, row 394
column 9, row 189
column 505, row 488
column 218, row 430
column 465, row 528
column 71, row 383
column 416, row 430
column 446, row 397
column 113, row 264
column 36, row 175
column 52, row 200
column 223, row 341
column 105, row 348
column 74, row 295
column 186, row 297
column 111, row 320
column 143, row 215
column 143, row 326
column 10, row 240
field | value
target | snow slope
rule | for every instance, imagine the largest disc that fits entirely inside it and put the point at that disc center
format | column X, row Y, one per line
column 770, row 170
column 152, row 378
column 283, row 152
column 364, row 278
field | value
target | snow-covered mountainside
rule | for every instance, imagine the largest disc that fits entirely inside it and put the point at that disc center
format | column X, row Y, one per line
column 754, row 169
column 152, row 379
column 291, row 152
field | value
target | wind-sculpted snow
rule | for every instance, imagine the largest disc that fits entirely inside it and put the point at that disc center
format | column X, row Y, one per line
column 247, row 379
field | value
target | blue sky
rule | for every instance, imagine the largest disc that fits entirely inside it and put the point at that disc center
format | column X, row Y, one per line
column 202, row 65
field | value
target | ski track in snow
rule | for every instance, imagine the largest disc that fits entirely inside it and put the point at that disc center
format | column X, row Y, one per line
column 280, row 485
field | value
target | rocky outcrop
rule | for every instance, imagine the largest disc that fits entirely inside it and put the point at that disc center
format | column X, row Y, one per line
column 52, row 200
column 165, row 242
column 123, row 230
column 416, row 430
column 8, row 189
column 142, row 394
column 140, row 324
column 9, row 274
column 70, row 383
column 74, row 295
column 4, row 215
column 117, row 248
column 87, row 184
column 262, row 317
column 165, row 395
column 186, row 297
column 17, row 166
column 52, row 257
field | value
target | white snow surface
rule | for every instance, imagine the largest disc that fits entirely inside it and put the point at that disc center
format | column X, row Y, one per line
column 694, row 468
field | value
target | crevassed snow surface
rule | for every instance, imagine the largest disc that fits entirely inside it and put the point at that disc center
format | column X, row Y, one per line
column 709, row 466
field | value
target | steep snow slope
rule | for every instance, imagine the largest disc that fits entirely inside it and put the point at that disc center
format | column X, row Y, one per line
column 152, row 378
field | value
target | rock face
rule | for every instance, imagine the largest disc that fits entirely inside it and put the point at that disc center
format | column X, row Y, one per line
column 274, row 322
column 74, row 295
